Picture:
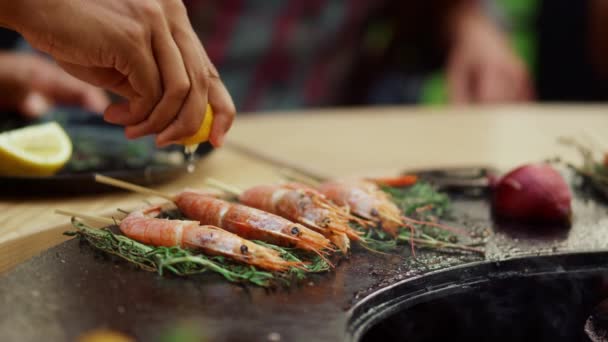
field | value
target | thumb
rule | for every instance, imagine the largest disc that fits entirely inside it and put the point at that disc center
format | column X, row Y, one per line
column 34, row 105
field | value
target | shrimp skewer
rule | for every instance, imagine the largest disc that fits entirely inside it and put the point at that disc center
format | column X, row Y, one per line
column 246, row 222
column 367, row 200
column 250, row 223
column 301, row 204
column 144, row 226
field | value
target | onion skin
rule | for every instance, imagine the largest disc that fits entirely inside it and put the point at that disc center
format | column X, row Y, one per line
column 534, row 193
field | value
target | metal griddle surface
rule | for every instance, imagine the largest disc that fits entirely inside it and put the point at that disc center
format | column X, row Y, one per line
column 70, row 289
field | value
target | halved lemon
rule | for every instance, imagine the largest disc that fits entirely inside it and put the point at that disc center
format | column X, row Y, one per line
column 37, row 150
column 202, row 135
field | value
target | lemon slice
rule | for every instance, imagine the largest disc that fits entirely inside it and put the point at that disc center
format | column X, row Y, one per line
column 38, row 150
column 202, row 135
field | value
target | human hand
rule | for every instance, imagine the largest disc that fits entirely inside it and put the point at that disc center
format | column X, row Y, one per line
column 31, row 85
column 482, row 67
column 142, row 50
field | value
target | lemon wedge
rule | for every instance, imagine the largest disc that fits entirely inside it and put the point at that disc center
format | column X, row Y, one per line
column 37, row 150
column 202, row 135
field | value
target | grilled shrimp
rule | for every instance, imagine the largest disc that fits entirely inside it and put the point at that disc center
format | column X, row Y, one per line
column 143, row 226
column 366, row 200
column 249, row 223
column 304, row 205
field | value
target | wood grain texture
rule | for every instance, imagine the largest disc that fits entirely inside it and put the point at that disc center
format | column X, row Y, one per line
column 380, row 140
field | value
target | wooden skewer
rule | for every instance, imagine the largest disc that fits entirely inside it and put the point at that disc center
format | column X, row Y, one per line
column 295, row 176
column 223, row 186
column 99, row 219
column 132, row 187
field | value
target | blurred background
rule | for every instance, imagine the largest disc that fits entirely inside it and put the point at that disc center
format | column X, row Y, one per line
column 290, row 54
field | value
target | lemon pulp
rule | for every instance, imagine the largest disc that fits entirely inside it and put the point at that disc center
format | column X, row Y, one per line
column 37, row 150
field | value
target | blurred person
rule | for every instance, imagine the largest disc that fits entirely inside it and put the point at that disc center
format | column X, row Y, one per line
column 482, row 66
column 457, row 52
column 542, row 50
column 144, row 51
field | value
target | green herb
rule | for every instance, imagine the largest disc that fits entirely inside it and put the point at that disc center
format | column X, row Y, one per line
column 424, row 205
column 184, row 262
column 420, row 200
column 593, row 170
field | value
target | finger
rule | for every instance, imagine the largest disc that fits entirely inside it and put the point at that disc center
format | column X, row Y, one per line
column 492, row 88
column 105, row 78
column 192, row 113
column 529, row 91
column 59, row 86
column 176, row 84
column 221, row 103
column 224, row 112
column 523, row 84
column 143, row 75
column 458, row 81
column 95, row 99
column 34, row 105
column 187, row 122
column 50, row 84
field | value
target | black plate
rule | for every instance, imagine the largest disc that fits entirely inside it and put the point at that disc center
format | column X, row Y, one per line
column 98, row 148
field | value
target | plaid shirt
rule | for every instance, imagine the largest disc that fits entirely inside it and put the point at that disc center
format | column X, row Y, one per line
column 281, row 54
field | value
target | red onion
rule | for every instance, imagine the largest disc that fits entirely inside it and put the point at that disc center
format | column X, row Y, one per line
column 533, row 193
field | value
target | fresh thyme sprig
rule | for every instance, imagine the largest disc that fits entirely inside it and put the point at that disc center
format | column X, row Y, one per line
column 425, row 206
column 184, row 262
column 593, row 170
